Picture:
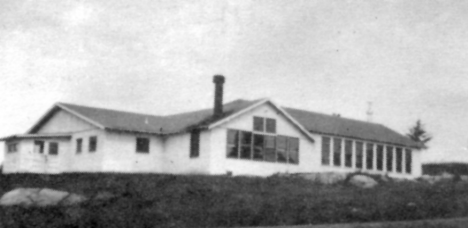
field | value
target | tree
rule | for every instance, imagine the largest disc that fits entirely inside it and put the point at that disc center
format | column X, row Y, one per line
column 418, row 134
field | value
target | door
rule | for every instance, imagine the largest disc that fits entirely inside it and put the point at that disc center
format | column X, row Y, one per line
column 52, row 158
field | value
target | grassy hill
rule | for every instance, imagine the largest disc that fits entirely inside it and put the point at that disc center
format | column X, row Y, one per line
column 222, row 201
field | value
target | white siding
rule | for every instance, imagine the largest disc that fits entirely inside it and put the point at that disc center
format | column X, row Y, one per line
column 64, row 122
column 87, row 161
column 309, row 156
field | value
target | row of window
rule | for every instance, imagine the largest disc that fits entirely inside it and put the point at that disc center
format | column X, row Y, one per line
column 92, row 144
column 39, row 147
column 267, row 125
column 259, row 147
column 12, row 147
column 396, row 158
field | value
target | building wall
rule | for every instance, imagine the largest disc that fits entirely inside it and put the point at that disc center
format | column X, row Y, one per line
column 120, row 154
column 63, row 121
column 309, row 156
column 177, row 154
column 86, row 161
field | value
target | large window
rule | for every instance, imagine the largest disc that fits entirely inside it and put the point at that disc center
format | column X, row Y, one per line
column 380, row 157
column 53, row 148
column 348, row 153
column 359, row 154
column 408, row 160
column 12, row 147
column 337, row 152
column 92, row 143
column 370, row 156
column 259, row 147
column 389, row 158
column 195, row 143
column 79, row 145
column 399, row 160
column 39, row 146
column 142, row 145
column 325, row 151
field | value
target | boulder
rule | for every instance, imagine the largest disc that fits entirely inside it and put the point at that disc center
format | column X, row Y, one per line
column 39, row 197
column 19, row 196
column 49, row 197
column 73, row 199
column 363, row 181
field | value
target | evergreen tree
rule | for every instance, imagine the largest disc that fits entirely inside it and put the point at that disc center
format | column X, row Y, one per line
column 418, row 134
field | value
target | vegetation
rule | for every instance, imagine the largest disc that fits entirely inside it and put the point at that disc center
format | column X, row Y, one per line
column 221, row 201
column 456, row 168
column 418, row 134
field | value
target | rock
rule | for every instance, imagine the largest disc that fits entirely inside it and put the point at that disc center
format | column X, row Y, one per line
column 464, row 178
column 104, row 196
column 39, row 197
column 362, row 181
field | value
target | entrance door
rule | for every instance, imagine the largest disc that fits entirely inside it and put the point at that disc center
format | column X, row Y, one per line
column 52, row 158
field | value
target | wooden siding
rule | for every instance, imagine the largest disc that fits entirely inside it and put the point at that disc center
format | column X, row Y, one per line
column 63, row 121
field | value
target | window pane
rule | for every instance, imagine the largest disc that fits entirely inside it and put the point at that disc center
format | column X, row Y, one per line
column 258, row 147
column 12, row 147
column 258, row 124
column 194, row 143
column 408, row 160
column 370, row 156
column 293, row 150
column 337, row 152
column 348, row 153
column 282, row 155
column 270, row 151
column 246, row 145
column 325, row 151
column 233, row 144
column 92, row 143
column 79, row 145
column 39, row 147
column 359, row 153
column 271, row 125
column 389, row 159
column 380, row 157
column 399, row 160
column 142, row 145
column 53, row 148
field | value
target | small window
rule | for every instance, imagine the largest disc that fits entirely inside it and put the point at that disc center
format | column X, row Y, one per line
column 380, row 159
column 348, row 153
column 370, row 156
column 325, row 151
column 12, row 147
column 359, row 154
column 53, row 148
column 389, row 159
column 270, row 125
column 195, row 144
column 293, row 150
column 258, row 124
column 39, row 147
column 92, row 143
column 408, row 160
column 337, row 152
column 79, row 145
column 399, row 160
column 142, row 145
column 232, row 144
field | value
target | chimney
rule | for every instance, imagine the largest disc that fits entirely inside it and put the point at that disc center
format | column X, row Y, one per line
column 218, row 80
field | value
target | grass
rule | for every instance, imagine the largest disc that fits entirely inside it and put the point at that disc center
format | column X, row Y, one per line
column 149, row 200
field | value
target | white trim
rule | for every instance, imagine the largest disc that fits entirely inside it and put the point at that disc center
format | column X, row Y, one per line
column 261, row 102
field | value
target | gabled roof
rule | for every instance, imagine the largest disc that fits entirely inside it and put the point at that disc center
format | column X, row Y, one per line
column 305, row 121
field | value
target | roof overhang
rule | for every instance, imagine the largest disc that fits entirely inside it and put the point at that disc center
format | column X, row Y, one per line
column 259, row 103
column 37, row 136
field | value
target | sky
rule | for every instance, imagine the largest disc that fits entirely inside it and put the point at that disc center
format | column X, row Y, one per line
column 409, row 58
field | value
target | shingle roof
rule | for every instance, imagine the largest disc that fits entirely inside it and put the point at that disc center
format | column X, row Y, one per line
column 312, row 121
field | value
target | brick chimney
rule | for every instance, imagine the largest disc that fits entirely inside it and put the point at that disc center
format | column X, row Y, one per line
column 218, row 80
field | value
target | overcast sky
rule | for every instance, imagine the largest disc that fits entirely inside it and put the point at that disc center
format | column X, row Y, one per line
column 409, row 58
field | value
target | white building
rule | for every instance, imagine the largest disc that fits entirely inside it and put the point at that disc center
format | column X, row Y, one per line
column 241, row 137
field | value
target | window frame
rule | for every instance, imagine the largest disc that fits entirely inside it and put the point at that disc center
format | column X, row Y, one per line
column 348, row 153
column 41, row 145
column 389, row 166
column 398, row 159
column 92, row 144
column 79, row 145
column 337, row 150
column 12, row 147
column 53, row 148
column 359, row 155
column 369, row 159
column 379, row 156
column 258, row 124
column 142, row 145
column 408, row 160
column 326, row 150
column 194, row 143
column 270, row 128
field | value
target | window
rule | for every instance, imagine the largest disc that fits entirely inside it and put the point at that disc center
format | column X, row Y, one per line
column 281, row 148
column 258, row 149
column 270, row 148
column 359, row 153
column 389, row 158
column 380, row 159
column 232, row 144
column 370, row 156
column 92, row 143
column 408, row 160
column 53, row 148
column 12, row 147
column 337, row 152
column 79, row 145
column 293, row 150
column 195, row 144
column 258, row 124
column 39, row 147
column 246, row 145
column 399, row 160
column 270, row 125
column 348, row 153
column 142, row 145
column 325, row 151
